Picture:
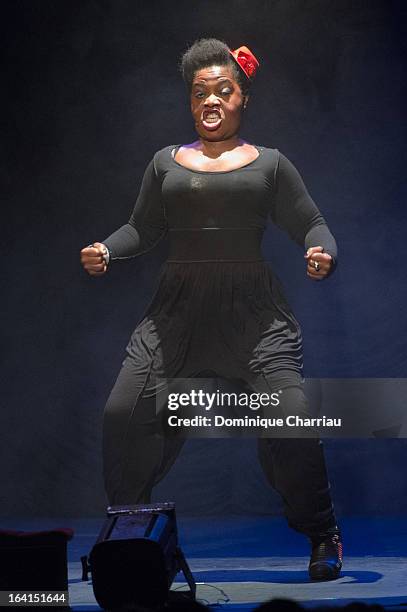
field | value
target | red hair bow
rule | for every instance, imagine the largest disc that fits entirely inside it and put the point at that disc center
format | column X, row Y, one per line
column 246, row 60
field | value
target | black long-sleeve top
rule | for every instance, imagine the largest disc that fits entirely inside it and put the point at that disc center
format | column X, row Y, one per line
column 218, row 304
column 234, row 204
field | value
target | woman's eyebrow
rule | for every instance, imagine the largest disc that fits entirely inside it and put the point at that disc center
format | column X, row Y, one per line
column 203, row 81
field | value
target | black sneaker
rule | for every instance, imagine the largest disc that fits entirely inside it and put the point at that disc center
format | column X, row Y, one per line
column 326, row 558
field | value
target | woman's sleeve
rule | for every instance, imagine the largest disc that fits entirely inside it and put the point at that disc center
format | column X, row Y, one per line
column 296, row 212
column 147, row 223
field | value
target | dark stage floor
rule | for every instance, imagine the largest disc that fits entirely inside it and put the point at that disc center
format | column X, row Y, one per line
column 241, row 561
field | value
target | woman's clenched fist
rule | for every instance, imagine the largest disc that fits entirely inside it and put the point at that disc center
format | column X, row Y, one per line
column 319, row 264
column 92, row 259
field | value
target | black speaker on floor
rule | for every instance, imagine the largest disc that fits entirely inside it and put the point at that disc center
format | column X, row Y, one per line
column 35, row 561
column 136, row 557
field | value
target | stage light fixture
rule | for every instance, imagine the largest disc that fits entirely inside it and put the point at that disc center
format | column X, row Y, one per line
column 136, row 557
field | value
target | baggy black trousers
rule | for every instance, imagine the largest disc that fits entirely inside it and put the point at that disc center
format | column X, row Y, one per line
column 137, row 453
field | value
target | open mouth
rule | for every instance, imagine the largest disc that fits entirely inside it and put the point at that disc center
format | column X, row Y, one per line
column 211, row 120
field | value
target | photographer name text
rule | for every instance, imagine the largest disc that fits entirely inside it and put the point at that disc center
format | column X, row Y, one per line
column 257, row 421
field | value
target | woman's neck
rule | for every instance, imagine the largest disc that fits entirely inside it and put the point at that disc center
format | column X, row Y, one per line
column 215, row 149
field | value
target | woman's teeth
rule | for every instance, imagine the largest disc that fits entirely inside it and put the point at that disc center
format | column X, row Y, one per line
column 211, row 120
column 212, row 117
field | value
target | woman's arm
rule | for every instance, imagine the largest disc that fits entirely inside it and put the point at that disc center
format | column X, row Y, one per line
column 147, row 223
column 296, row 212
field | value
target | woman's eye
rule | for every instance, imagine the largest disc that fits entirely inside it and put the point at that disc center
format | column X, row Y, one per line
column 226, row 91
column 199, row 94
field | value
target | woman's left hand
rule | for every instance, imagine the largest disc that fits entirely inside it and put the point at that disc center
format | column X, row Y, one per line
column 318, row 263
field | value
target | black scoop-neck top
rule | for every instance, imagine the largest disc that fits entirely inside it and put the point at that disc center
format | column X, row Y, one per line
column 218, row 304
column 219, row 215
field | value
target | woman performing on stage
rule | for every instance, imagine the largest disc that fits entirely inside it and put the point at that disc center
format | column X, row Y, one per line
column 218, row 307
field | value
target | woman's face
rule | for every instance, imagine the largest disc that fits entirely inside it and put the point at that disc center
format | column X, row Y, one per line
column 216, row 103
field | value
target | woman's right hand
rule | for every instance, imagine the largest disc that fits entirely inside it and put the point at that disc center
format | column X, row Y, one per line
column 92, row 259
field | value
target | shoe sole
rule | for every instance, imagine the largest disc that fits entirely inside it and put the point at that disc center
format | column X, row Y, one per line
column 320, row 572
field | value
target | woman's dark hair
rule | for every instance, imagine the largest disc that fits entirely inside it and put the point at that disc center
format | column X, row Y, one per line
column 210, row 52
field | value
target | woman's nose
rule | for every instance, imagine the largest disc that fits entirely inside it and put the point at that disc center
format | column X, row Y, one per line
column 212, row 100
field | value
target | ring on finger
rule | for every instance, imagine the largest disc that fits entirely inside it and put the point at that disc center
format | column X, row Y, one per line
column 316, row 265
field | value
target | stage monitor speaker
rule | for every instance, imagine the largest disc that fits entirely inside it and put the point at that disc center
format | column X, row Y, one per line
column 136, row 557
column 34, row 560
